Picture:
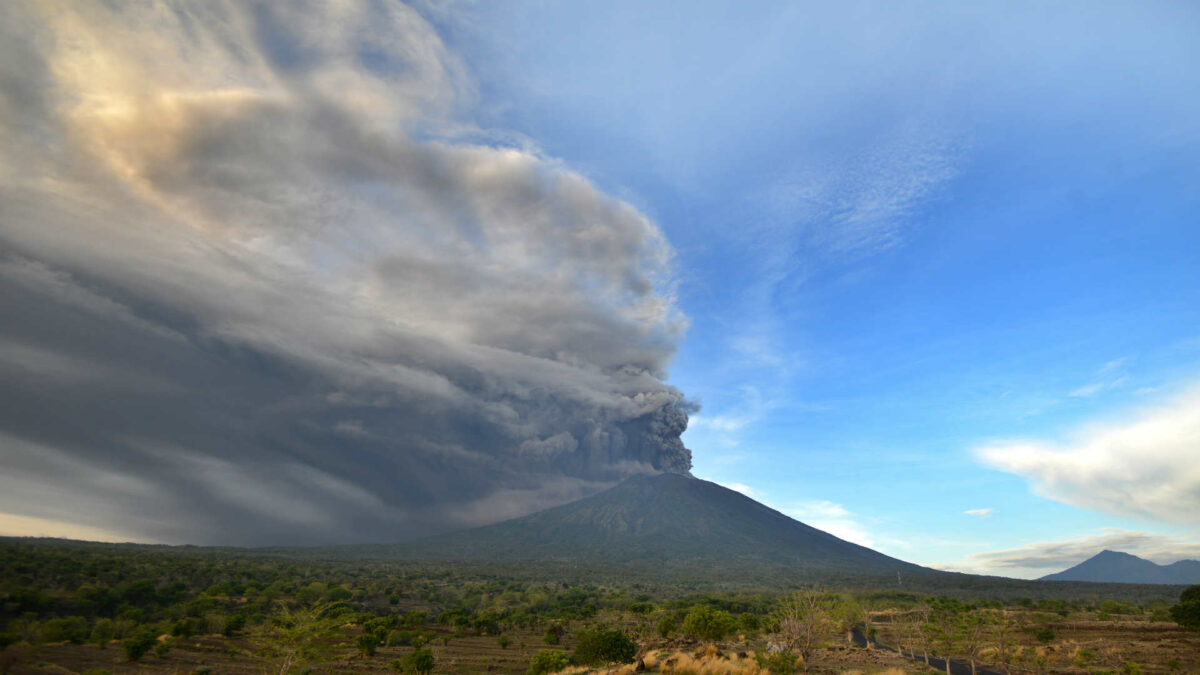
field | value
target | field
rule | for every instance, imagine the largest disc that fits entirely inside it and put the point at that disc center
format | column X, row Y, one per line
column 71, row 608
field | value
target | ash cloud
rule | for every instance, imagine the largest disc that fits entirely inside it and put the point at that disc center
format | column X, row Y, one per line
column 254, row 289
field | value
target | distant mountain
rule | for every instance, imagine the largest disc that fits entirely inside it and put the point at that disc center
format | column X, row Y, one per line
column 1117, row 567
column 667, row 523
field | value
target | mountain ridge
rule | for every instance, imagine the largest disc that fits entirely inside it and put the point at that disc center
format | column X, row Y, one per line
column 1118, row 567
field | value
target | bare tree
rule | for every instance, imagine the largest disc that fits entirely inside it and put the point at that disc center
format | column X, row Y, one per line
column 806, row 620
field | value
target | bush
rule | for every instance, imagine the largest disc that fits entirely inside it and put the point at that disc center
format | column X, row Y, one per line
column 748, row 622
column 504, row 641
column 602, row 646
column 779, row 663
column 548, row 661
column 706, row 623
column 136, row 646
column 1045, row 635
column 367, row 643
column 554, row 633
column 419, row 662
column 234, row 624
column 161, row 649
column 666, row 626
column 73, row 629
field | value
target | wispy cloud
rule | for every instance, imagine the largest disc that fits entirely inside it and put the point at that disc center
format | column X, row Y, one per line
column 1110, row 378
column 978, row 513
column 1144, row 466
column 833, row 518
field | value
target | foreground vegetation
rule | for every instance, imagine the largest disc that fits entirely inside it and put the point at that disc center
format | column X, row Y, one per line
column 78, row 608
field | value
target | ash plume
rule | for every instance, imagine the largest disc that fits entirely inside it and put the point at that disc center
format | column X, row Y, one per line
column 255, row 288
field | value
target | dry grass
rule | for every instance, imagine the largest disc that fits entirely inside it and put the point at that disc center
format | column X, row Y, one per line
column 705, row 661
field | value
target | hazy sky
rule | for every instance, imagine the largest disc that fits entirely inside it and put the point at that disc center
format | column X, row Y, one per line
column 350, row 271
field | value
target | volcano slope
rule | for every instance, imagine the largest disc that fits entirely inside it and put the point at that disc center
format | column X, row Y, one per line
column 666, row 525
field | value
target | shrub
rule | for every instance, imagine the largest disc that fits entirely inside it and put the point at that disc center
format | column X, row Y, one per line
column 779, row 663
column 367, row 643
column 419, row 662
column 554, row 633
column 504, row 641
column 666, row 626
column 1045, row 635
column 548, row 661
column 161, row 649
column 136, row 646
column 234, row 624
column 706, row 623
column 601, row 646
column 73, row 629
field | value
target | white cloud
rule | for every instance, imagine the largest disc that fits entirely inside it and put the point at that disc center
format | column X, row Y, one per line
column 832, row 518
column 978, row 513
column 740, row 487
column 1049, row 556
column 1144, row 467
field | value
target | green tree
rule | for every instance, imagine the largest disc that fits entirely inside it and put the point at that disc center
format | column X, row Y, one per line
column 548, row 661
column 705, row 623
column 603, row 646
column 748, row 623
column 666, row 626
column 418, row 662
column 1187, row 612
column 137, row 645
column 294, row 640
column 367, row 643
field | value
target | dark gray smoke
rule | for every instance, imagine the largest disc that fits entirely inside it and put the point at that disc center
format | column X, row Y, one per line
column 254, row 291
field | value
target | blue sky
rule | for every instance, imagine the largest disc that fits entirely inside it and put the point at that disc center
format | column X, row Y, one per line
column 362, row 270
column 904, row 233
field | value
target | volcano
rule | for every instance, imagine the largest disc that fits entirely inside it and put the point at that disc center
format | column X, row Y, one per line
column 1124, row 568
column 665, row 522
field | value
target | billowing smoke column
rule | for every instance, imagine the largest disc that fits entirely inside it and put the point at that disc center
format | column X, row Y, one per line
column 241, row 302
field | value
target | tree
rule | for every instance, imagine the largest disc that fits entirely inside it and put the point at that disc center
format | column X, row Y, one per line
column 548, row 661
column 1003, row 641
column 418, row 662
column 973, row 630
column 748, row 623
column 1187, row 612
column 806, row 619
column 849, row 614
column 367, row 643
column 554, row 633
column 294, row 640
column 603, row 646
column 705, row 623
column 666, row 626
column 136, row 646
column 942, row 629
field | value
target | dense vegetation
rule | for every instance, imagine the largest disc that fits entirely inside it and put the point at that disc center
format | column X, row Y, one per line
column 290, row 613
